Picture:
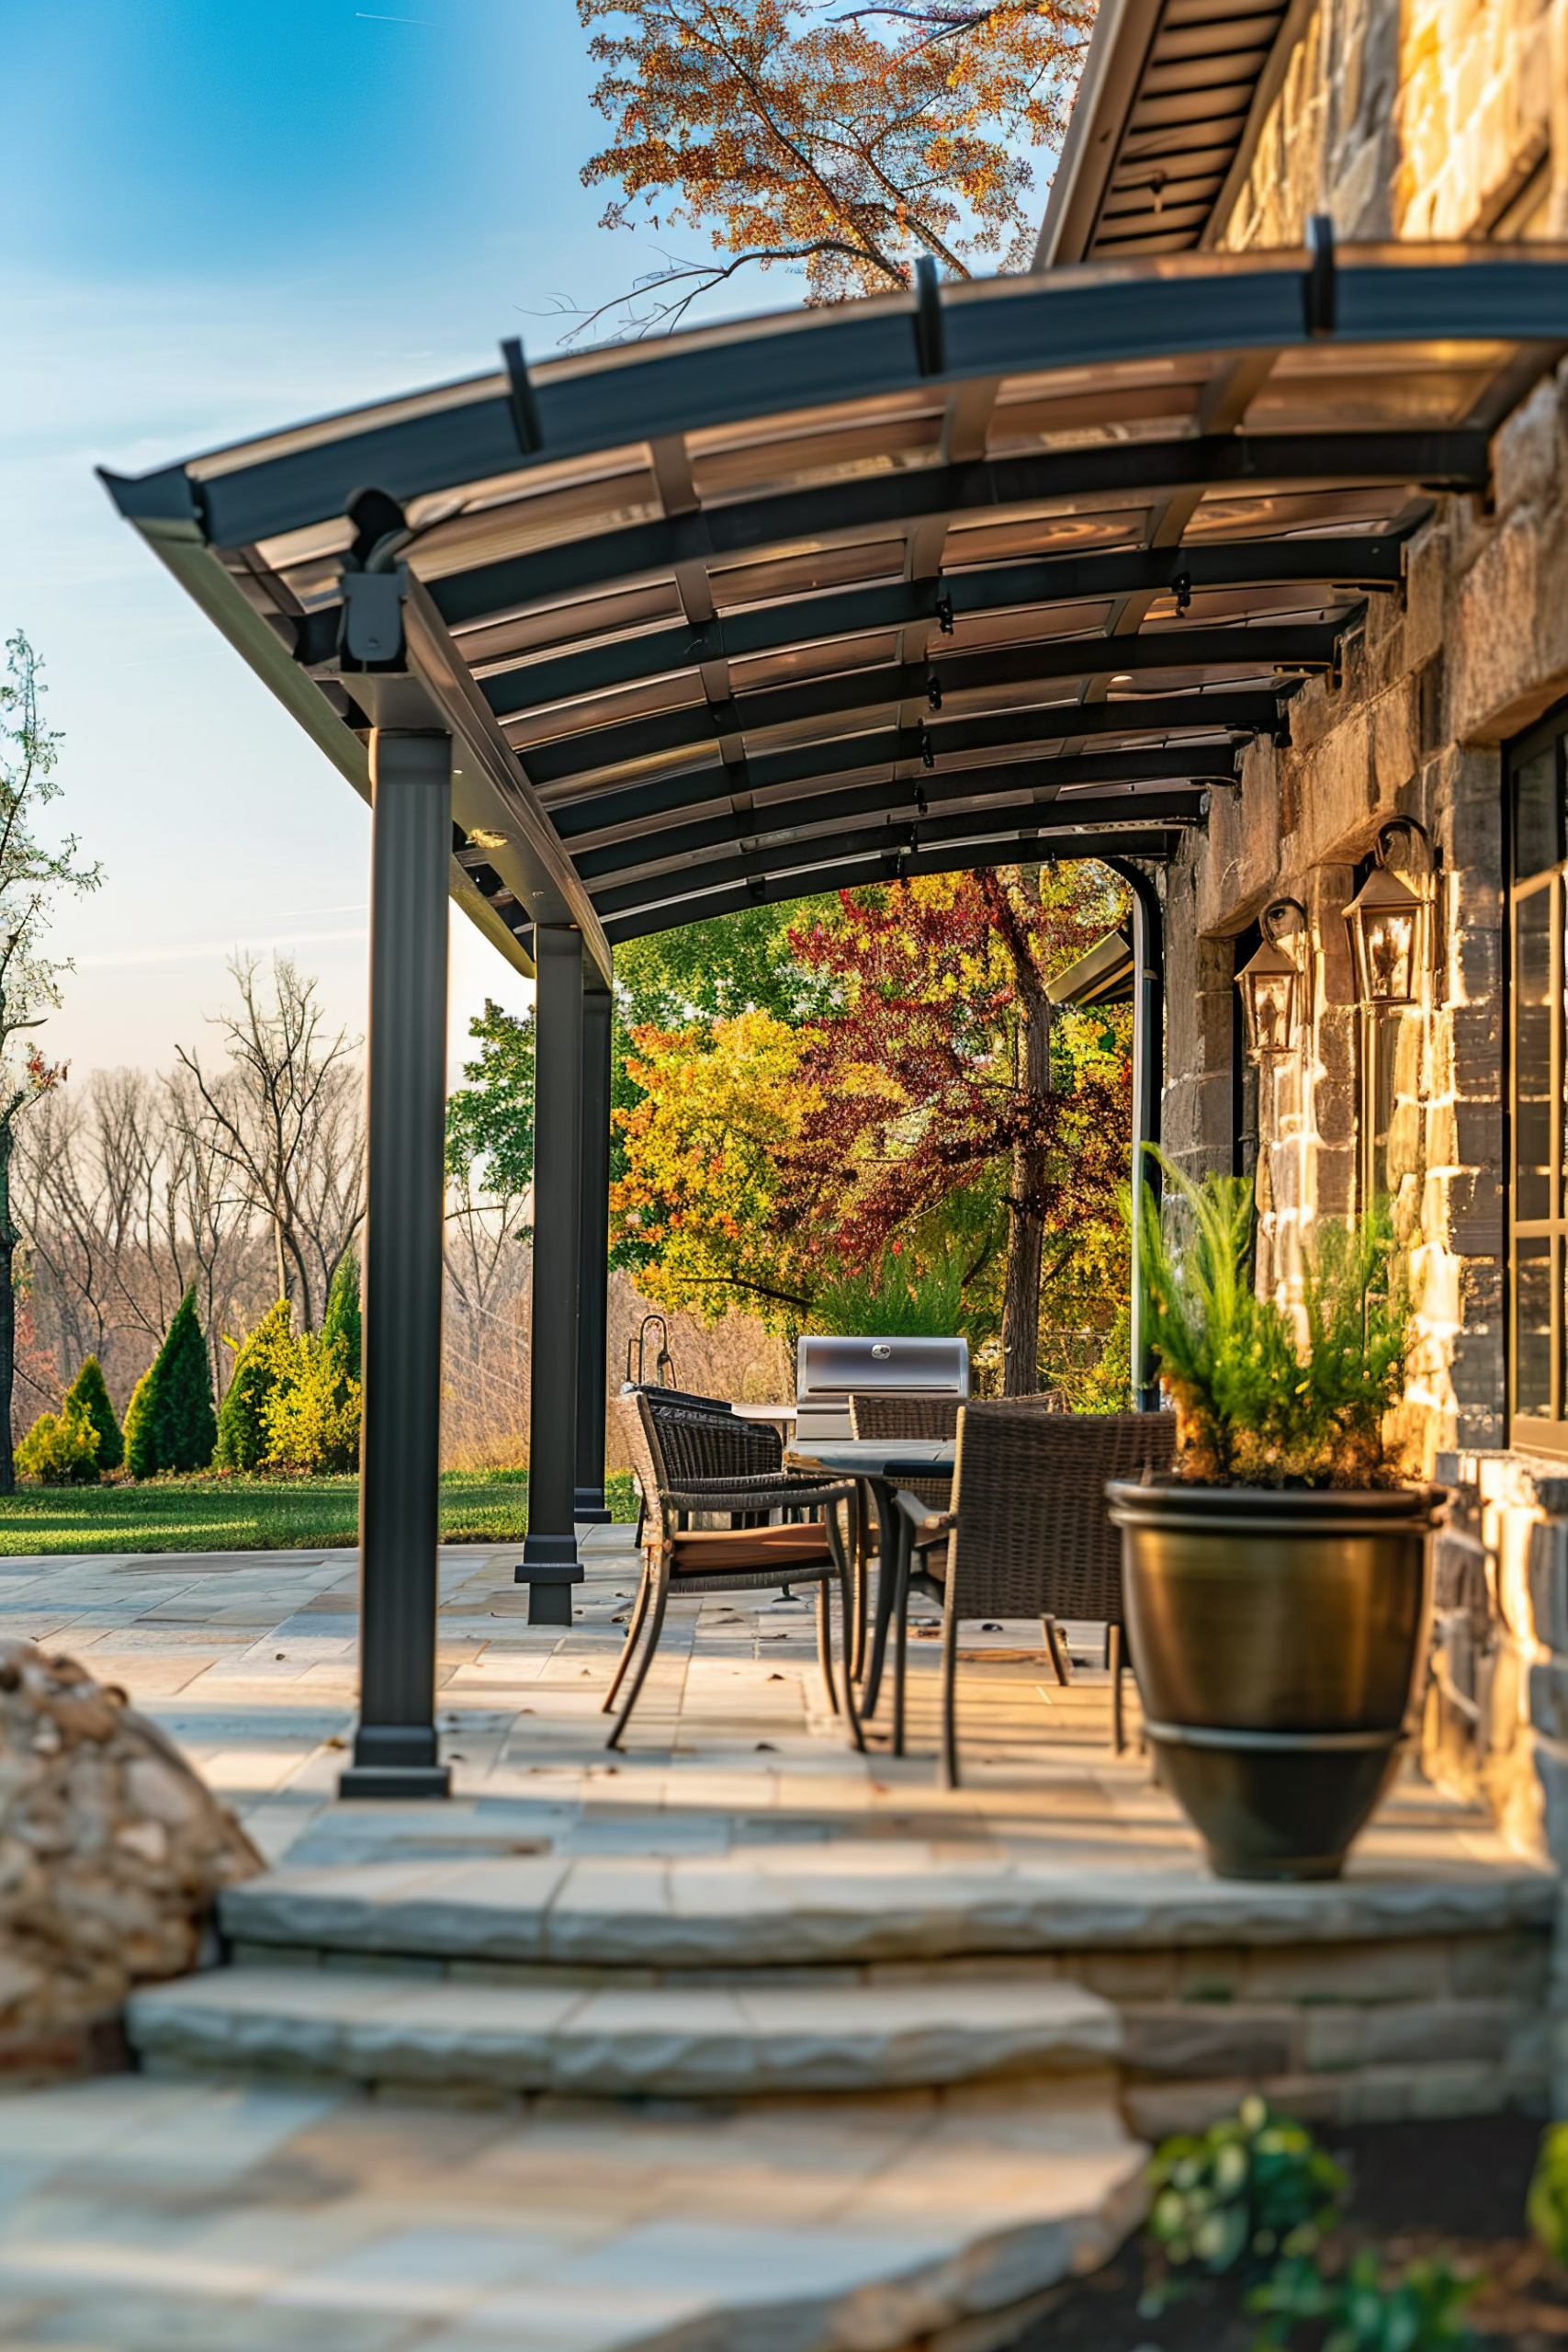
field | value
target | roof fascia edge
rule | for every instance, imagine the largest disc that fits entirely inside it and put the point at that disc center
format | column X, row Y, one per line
column 1106, row 89
column 177, row 542
column 1269, row 83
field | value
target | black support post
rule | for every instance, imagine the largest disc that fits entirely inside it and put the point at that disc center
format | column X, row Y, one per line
column 1148, row 1081
column 395, row 1744
column 550, row 1562
column 593, row 1246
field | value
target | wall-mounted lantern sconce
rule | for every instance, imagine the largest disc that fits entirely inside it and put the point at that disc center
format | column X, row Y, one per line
column 1273, row 986
column 1387, row 924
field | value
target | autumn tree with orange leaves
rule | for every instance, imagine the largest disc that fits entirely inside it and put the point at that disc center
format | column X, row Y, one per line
column 937, row 1081
column 843, row 140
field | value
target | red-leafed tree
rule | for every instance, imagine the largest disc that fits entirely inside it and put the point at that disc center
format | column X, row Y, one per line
column 944, row 1080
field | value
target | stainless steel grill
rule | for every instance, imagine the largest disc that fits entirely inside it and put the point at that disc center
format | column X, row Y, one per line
column 828, row 1370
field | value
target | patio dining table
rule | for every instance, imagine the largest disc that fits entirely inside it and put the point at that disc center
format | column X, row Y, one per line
column 882, row 1466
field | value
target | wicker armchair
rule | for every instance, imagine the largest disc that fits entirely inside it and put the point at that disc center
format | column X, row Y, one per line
column 892, row 1418
column 683, row 1561
column 1028, row 1533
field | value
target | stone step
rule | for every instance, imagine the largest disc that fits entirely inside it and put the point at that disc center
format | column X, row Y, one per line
column 377, row 2027
column 284, row 2218
column 847, row 1902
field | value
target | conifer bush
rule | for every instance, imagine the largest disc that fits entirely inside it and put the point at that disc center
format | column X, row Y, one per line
column 137, row 1431
column 341, row 1324
column 91, row 1391
column 262, row 1359
column 170, row 1423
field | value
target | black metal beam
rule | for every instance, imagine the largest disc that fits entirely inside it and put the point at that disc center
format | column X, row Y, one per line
column 1149, row 470
column 395, row 1750
column 892, row 841
column 1370, row 560
column 550, row 1562
column 864, row 694
column 1222, row 711
column 911, row 796
column 1032, row 849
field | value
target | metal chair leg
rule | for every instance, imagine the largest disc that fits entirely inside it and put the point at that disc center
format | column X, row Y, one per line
column 857, row 1737
column 825, row 1644
column 949, row 1693
column 1117, row 1662
column 639, row 1612
column 1057, row 1650
column 841, row 1577
column 900, row 1653
column 660, row 1595
column 889, row 1548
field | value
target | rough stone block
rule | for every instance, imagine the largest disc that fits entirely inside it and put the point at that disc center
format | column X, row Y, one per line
column 1333, row 2040
column 1334, row 1974
column 1416, row 2032
column 1551, row 1772
column 1187, row 2038
column 1511, row 1968
column 1547, row 1564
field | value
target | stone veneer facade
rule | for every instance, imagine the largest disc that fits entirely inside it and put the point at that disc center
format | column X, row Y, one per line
column 1436, row 119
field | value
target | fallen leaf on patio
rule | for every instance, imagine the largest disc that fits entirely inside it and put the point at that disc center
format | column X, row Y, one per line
column 775, row 1678
column 990, row 1629
column 766, row 1747
column 278, row 1655
column 335, row 1742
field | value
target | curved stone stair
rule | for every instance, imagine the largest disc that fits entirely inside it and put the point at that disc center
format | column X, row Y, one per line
column 692, row 2041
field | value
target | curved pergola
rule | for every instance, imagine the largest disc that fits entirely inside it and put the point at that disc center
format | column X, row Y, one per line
column 1006, row 570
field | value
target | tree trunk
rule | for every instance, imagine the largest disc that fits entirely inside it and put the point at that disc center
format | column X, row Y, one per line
column 1026, row 1221
column 8, row 1239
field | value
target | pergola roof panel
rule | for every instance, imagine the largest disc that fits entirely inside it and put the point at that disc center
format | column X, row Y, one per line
column 749, row 606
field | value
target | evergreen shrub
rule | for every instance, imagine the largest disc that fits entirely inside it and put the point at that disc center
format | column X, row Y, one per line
column 170, row 1423
column 91, row 1391
column 263, row 1358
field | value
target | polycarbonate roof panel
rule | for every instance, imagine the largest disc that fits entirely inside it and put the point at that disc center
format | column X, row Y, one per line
column 1007, row 569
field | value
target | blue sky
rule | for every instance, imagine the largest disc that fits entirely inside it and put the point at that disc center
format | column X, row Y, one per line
column 223, row 215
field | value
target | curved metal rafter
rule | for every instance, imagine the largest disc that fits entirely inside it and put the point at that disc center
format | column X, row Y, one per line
column 892, row 864
column 859, row 697
column 775, row 858
column 1219, row 713
column 986, row 486
column 1363, row 563
column 911, row 797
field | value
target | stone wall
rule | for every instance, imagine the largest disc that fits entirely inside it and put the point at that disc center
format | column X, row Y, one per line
column 1429, row 118
column 1433, row 119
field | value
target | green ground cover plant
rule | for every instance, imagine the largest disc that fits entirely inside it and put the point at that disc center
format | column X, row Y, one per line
column 206, row 1513
column 1251, row 2201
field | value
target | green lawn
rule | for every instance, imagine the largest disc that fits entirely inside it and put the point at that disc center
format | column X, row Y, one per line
column 206, row 1514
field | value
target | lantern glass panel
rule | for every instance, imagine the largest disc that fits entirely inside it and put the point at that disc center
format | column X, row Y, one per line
column 1271, row 997
column 1388, row 936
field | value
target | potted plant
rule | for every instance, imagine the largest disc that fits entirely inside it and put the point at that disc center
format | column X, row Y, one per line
column 1277, row 1582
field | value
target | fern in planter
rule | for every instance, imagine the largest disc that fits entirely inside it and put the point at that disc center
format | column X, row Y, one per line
column 1256, row 1408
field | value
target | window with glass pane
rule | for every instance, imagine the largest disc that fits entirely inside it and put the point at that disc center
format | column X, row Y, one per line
column 1538, row 1206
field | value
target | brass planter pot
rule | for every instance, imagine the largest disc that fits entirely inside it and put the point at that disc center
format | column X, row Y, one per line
column 1278, row 1638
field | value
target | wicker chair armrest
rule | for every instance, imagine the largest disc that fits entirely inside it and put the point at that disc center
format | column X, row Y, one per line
column 755, row 1493
column 928, row 1526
